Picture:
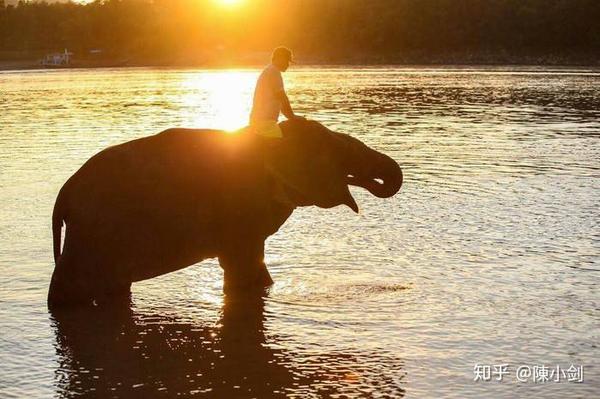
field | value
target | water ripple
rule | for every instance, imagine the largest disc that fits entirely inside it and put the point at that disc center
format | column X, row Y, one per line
column 489, row 254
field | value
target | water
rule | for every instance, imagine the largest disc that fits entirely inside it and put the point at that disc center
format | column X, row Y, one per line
column 489, row 254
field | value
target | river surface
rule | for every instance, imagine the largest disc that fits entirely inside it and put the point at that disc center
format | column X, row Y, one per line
column 488, row 256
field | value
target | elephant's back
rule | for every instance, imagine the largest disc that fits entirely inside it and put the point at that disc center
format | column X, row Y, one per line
column 171, row 150
column 176, row 160
column 139, row 168
column 162, row 191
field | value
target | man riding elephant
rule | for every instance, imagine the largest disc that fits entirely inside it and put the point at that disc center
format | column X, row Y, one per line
column 270, row 98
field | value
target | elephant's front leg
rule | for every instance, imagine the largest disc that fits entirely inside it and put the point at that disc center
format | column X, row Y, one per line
column 243, row 265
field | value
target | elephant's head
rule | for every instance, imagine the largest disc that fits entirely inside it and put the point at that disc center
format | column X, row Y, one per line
column 316, row 166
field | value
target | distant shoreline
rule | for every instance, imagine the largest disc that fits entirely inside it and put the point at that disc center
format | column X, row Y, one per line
column 29, row 64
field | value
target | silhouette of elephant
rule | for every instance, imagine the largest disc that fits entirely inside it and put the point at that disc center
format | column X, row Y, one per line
column 161, row 203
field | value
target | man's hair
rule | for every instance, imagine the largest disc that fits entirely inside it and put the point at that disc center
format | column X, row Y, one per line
column 281, row 53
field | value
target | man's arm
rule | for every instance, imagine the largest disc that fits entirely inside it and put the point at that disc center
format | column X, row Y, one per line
column 286, row 107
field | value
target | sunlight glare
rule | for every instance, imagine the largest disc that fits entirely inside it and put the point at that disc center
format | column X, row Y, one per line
column 229, row 3
column 218, row 100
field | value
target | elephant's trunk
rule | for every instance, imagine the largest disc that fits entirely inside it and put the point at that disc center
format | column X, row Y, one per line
column 384, row 178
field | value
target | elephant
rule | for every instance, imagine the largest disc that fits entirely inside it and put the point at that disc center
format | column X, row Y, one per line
column 161, row 203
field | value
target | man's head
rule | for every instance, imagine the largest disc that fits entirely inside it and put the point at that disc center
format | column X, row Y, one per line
column 281, row 58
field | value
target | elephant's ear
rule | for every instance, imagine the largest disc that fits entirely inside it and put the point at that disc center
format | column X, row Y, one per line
column 306, row 162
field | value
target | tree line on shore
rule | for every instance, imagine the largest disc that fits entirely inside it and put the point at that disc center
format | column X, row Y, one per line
column 325, row 30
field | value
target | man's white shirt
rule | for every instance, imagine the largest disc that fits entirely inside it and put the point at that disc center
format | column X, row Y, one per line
column 267, row 98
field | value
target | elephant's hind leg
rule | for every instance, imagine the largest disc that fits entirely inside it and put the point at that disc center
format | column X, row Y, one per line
column 67, row 286
column 75, row 283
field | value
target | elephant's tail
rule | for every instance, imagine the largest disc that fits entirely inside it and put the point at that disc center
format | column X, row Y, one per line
column 57, row 222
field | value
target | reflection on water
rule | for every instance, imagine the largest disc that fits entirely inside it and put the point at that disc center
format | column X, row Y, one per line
column 115, row 351
column 489, row 254
column 219, row 98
